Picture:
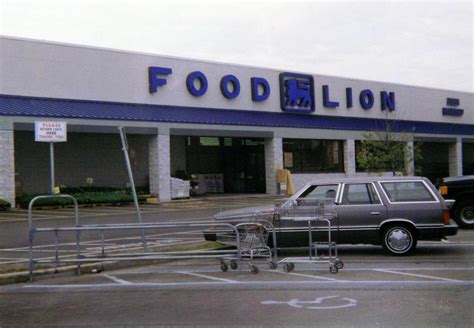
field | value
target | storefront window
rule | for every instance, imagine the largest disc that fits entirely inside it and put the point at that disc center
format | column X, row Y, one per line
column 468, row 158
column 313, row 156
column 434, row 162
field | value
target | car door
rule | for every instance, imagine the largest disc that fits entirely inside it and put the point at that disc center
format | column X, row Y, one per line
column 360, row 211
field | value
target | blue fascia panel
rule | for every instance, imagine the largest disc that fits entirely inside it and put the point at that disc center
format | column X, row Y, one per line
column 99, row 110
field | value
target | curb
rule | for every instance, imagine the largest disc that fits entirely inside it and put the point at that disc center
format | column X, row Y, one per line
column 69, row 270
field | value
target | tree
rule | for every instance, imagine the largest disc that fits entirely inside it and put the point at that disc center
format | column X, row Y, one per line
column 386, row 150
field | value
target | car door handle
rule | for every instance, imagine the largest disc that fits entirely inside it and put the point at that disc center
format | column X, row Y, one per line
column 374, row 213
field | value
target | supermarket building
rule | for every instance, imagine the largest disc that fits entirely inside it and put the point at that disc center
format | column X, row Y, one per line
column 230, row 124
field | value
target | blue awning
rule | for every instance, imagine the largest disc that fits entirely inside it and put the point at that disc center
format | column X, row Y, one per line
column 100, row 110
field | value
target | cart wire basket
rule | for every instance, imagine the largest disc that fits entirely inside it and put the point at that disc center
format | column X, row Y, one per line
column 255, row 242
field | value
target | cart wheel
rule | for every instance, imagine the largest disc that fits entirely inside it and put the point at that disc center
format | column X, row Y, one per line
column 333, row 269
column 233, row 265
column 224, row 267
column 273, row 265
column 253, row 269
column 339, row 264
column 288, row 267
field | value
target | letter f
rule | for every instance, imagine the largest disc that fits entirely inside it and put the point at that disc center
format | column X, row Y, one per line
column 154, row 80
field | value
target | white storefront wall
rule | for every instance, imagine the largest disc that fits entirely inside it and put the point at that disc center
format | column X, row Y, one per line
column 42, row 69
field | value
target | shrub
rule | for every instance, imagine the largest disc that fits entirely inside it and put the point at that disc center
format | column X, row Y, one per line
column 114, row 197
column 4, row 205
column 84, row 189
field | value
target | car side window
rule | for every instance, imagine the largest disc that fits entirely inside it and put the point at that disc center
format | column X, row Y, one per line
column 359, row 194
column 318, row 192
column 407, row 191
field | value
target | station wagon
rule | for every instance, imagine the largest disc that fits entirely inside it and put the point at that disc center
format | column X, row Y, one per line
column 394, row 212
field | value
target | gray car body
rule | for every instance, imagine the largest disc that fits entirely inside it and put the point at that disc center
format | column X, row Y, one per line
column 357, row 224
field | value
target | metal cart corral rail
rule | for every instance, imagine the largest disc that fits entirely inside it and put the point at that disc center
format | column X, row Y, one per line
column 312, row 211
column 236, row 232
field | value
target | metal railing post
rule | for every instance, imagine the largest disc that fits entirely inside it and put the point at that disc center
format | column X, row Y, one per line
column 103, row 242
column 56, row 246
column 78, row 251
column 31, row 264
column 123, row 137
column 32, row 230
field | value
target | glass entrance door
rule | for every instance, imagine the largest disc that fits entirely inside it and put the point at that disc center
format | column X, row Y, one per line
column 241, row 161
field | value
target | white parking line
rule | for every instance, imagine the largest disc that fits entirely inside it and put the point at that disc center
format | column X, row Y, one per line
column 416, row 275
column 15, row 261
column 263, row 284
column 306, row 275
column 117, row 280
column 205, row 276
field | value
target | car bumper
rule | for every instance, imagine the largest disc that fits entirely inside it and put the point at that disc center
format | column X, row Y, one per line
column 437, row 233
column 450, row 230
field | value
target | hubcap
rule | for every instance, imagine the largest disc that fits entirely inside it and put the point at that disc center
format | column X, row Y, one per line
column 467, row 214
column 399, row 239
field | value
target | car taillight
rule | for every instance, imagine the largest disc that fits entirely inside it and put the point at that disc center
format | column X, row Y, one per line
column 446, row 217
column 443, row 190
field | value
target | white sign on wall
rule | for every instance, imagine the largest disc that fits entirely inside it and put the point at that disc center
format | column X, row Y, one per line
column 50, row 131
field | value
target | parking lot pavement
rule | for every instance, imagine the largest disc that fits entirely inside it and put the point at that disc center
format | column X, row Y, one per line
column 428, row 289
column 211, row 202
column 434, row 287
column 438, row 263
column 14, row 223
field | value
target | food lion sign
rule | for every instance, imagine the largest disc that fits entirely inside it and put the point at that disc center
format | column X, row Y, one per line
column 50, row 131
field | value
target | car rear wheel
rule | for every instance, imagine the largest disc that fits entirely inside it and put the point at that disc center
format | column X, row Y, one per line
column 398, row 240
column 464, row 213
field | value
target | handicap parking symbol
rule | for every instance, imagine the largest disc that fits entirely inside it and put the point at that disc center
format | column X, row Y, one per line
column 319, row 303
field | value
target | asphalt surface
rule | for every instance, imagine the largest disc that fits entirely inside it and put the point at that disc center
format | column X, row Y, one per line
column 14, row 225
column 431, row 288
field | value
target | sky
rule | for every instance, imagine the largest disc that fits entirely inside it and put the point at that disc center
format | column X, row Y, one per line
column 423, row 43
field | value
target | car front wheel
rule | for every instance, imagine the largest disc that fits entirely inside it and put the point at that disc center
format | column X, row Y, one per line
column 398, row 240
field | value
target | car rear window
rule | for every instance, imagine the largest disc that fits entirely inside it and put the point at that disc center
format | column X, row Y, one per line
column 411, row 191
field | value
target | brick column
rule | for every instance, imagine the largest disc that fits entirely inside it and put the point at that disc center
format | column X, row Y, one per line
column 410, row 158
column 273, row 161
column 159, row 166
column 7, row 167
column 455, row 158
column 349, row 157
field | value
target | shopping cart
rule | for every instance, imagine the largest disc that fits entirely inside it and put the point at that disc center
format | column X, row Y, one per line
column 255, row 241
column 318, row 211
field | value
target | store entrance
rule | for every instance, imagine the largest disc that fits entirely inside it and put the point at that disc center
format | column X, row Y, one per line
column 224, row 164
column 243, row 165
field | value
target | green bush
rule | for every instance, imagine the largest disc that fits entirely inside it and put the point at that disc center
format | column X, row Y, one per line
column 4, row 205
column 90, row 198
column 84, row 189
